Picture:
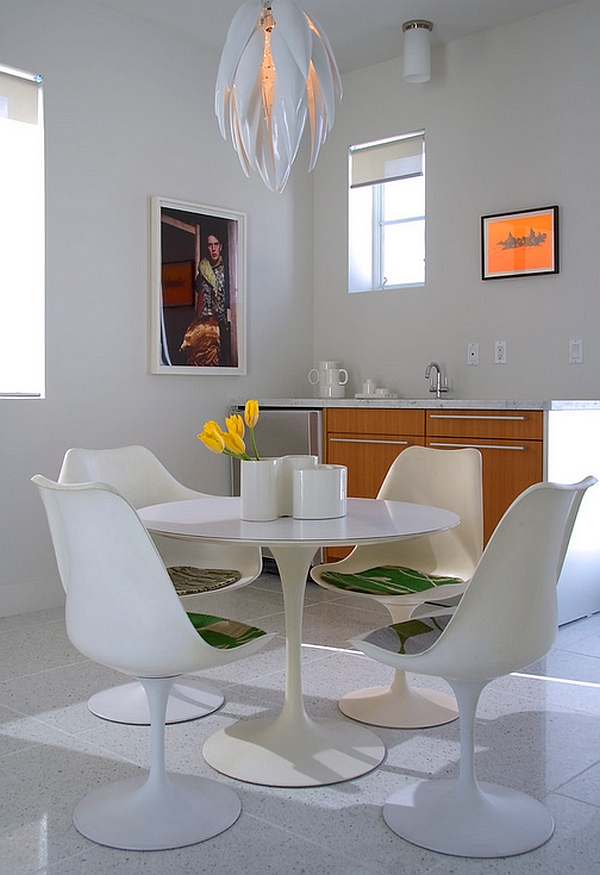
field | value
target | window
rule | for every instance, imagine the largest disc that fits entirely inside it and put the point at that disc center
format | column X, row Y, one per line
column 386, row 215
column 22, row 251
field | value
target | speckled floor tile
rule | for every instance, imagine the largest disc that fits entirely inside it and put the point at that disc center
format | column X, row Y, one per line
column 536, row 731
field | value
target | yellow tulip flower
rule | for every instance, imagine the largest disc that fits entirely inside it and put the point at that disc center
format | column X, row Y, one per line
column 251, row 417
column 212, row 438
column 235, row 425
column 234, row 444
column 251, row 413
column 231, row 442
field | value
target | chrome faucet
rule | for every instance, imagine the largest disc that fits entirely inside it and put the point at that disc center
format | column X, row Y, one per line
column 437, row 383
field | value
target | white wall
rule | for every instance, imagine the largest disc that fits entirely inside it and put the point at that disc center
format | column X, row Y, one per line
column 129, row 114
column 512, row 121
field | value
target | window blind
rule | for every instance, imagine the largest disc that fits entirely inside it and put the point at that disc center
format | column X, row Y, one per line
column 22, row 249
column 386, row 161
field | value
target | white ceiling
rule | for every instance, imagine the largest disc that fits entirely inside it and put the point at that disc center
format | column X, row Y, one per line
column 362, row 32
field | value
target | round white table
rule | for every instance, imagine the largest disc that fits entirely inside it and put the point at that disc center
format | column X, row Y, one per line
column 294, row 749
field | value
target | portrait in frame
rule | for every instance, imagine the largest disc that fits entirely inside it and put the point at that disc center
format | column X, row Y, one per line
column 198, row 289
column 523, row 243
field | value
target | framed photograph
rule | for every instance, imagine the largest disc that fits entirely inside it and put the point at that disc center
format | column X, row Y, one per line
column 198, row 289
column 524, row 243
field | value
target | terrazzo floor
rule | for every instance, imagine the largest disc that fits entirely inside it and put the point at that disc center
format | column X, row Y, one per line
column 538, row 731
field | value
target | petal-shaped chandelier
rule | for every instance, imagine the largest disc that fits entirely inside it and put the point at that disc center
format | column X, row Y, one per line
column 277, row 67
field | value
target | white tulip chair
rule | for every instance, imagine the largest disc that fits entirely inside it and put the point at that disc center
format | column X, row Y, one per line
column 450, row 479
column 122, row 611
column 506, row 619
column 143, row 480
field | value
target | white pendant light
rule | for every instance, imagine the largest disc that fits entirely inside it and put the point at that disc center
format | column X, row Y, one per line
column 277, row 67
column 417, row 50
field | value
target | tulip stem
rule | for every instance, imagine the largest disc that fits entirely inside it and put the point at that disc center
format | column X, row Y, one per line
column 254, row 444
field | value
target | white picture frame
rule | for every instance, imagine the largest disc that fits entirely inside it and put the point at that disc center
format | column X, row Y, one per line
column 198, row 289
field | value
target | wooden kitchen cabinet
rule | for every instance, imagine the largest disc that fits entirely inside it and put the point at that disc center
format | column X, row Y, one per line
column 511, row 446
column 367, row 442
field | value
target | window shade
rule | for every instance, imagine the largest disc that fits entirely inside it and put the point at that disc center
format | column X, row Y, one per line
column 19, row 98
column 384, row 162
column 21, row 235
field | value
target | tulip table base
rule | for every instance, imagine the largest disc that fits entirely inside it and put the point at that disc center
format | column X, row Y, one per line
column 306, row 753
column 293, row 750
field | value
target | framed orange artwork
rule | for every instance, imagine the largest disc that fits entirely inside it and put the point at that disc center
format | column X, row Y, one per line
column 524, row 243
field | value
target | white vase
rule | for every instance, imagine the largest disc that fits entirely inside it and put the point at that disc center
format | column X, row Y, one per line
column 320, row 492
column 259, row 489
column 288, row 465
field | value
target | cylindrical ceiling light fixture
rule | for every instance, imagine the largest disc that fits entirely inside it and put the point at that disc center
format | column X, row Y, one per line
column 417, row 50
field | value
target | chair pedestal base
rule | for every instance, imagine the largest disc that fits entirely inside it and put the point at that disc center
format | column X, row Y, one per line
column 399, row 706
column 189, row 699
column 487, row 821
column 134, row 816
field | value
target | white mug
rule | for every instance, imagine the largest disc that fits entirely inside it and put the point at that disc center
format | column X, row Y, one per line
column 332, row 391
column 334, row 377
column 330, row 380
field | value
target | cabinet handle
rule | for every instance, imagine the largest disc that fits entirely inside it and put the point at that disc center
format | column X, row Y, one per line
column 365, row 441
column 480, row 446
column 484, row 417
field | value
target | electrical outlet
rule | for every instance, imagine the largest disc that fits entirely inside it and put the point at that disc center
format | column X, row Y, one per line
column 472, row 353
column 576, row 352
column 500, row 352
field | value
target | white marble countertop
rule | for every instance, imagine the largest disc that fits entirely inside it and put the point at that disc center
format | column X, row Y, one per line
column 430, row 402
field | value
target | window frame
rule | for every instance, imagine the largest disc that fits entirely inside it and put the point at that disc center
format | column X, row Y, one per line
column 378, row 222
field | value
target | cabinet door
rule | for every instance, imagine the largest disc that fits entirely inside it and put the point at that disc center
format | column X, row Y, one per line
column 367, row 459
column 508, row 467
column 367, row 441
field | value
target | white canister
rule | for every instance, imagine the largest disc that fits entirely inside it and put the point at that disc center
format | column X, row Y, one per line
column 320, row 492
column 287, row 466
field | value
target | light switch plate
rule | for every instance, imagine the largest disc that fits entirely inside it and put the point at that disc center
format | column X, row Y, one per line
column 576, row 352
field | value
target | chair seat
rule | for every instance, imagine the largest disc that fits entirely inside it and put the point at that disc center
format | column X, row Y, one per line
column 222, row 633
column 189, row 580
column 386, row 580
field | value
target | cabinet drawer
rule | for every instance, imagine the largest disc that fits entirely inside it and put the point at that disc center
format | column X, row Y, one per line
column 490, row 424
column 353, row 420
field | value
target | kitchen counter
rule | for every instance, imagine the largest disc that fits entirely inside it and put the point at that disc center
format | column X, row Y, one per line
column 425, row 403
